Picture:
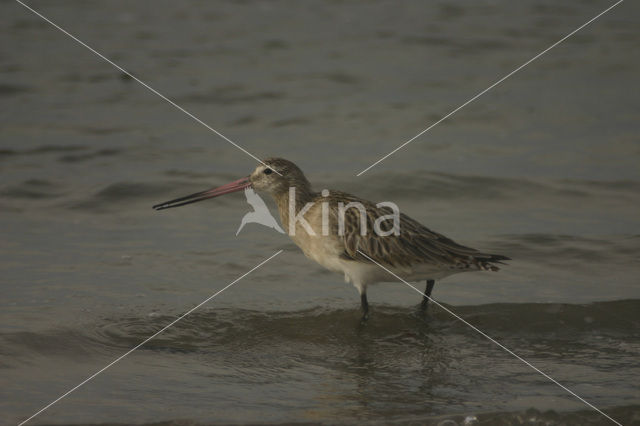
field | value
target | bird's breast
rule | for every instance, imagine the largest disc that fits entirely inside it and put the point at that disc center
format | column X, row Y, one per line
column 317, row 244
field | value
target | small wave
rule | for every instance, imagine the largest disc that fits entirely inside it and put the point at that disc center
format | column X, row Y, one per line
column 188, row 174
column 115, row 193
column 627, row 415
column 228, row 95
column 45, row 149
column 33, row 189
column 554, row 248
column 13, row 89
column 125, row 190
column 446, row 186
column 89, row 155
column 231, row 328
column 619, row 317
column 293, row 121
column 459, row 46
column 561, row 251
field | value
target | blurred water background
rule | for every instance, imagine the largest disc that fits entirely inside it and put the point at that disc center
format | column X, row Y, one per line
column 544, row 168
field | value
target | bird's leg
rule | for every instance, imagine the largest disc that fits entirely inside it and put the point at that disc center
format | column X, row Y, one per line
column 365, row 306
column 427, row 295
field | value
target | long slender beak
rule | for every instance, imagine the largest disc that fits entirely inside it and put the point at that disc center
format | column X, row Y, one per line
column 237, row 185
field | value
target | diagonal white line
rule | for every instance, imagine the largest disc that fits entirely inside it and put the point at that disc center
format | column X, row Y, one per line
column 496, row 342
column 94, row 51
column 491, row 87
column 149, row 338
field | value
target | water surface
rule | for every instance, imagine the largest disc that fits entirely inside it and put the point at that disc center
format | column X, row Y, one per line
column 544, row 169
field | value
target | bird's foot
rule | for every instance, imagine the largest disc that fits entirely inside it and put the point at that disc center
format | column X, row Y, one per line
column 364, row 304
column 422, row 310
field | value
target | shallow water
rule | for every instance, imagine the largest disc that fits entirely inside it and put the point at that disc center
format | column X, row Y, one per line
column 544, row 169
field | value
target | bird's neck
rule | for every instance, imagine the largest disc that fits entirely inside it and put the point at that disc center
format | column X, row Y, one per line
column 299, row 195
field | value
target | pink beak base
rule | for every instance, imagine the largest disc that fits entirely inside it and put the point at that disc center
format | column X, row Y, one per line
column 235, row 186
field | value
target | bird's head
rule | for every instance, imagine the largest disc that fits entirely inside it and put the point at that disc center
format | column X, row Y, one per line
column 277, row 175
column 273, row 175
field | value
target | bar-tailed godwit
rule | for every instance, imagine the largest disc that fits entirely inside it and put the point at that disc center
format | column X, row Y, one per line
column 331, row 228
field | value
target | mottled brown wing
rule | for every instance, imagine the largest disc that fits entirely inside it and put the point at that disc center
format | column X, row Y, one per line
column 415, row 243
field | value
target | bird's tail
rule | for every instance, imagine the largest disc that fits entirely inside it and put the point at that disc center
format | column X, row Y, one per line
column 487, row 262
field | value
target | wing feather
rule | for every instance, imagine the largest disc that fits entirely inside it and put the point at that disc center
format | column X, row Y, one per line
column 415, row 244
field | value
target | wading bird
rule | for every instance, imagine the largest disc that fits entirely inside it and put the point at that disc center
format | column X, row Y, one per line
column 353, row 236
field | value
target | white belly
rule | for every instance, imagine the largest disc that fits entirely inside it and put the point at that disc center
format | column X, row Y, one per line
column 327, row 251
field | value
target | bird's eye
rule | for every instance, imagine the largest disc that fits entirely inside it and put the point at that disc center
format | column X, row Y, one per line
column 267, row 171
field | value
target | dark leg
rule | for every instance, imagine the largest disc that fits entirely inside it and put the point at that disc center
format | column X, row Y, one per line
column 427, row 295
column 365, row 306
